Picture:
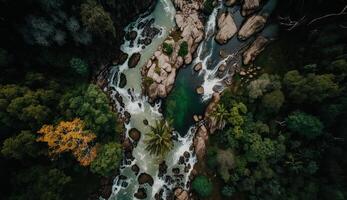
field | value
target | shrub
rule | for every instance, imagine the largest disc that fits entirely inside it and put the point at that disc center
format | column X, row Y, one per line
column 168, row 49
column 79, row 66
column 202, row 186
column 183, row 49
column 147, row 81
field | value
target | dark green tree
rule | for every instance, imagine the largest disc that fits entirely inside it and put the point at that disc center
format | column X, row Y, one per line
column 202, row 186
column 108, row 159
column 79, row 66
column 96, row 19
column 90, row 104
column 39, row 183
column 20, row 146
column 307, row 125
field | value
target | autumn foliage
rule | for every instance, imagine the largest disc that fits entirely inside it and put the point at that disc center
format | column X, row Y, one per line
column 69, row 136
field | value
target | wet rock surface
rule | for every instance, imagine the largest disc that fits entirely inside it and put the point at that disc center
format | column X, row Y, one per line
column 198, row 67
column 227, row 28
column 255, row 49
column 145, row 178
column 181, row 194
column 162, row 169
column 253, row 25
column 250, row 6
column 141, row 193
column 161, row 70
column 200, row 140
column 123, row 80
column 134, row 134
column 135, row 169
column 229, row 2
column 133, row 60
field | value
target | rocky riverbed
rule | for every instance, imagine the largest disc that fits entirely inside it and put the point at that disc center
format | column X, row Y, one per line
column 159, row 72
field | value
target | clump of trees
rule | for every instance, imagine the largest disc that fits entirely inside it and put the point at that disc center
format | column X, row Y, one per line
column 202, row 186
column 71, row 137
column 282, row 134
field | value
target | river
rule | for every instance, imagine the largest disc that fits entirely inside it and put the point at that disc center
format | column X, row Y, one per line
column 181, row 104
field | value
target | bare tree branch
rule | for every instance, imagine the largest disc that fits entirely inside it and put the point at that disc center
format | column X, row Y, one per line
column 289, row 23
column 342, row 12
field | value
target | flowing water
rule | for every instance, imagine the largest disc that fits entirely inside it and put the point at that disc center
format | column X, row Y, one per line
column 126, row 184
column 181, row 104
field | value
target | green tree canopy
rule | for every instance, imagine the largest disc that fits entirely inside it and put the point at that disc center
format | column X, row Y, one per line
column 79, row 66
column 90, row 104
column 39, row 183
column 312, row 88
column 273, row 101
column 96, row 19
column 202, row 186
column 108, row 159
column 21, row 145
column 307, row 125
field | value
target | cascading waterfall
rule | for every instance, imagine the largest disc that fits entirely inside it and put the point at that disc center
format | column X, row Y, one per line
column 210, row 79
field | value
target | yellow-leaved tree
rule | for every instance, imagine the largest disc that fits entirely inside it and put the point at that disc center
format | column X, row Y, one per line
column 69, row 136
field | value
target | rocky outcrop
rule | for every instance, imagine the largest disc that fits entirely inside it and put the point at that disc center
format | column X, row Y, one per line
column 199, row 142
column 226, row 28
column 160, row 71
column 253, row 25
column 190, row 25
column 255, row 49
column 181, row 194
column 249, row 7
column 134, row 59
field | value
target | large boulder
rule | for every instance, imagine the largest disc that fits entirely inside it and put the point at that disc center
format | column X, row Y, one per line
column 123, row 80
column 131, row 35
column 250, row 6
column 145, row 178
column 229, row 2
column 227, row 28
column 255, row 49
column 253, row 25
column 133, row 60
column 141, row 193
column 181, row 194
column 134, row 134
column 199, row 142
column 198, row 67
column 122, row 58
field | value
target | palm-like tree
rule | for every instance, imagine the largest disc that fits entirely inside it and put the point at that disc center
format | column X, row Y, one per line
column 220, row 114
column 158, row 140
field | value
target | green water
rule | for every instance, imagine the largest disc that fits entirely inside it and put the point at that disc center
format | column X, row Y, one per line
column 183, row 102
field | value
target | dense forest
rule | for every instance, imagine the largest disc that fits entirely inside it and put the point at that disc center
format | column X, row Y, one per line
column 59, row 134
column 281, row 124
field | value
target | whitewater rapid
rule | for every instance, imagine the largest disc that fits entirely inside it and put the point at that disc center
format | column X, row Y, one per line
column 134, row 103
